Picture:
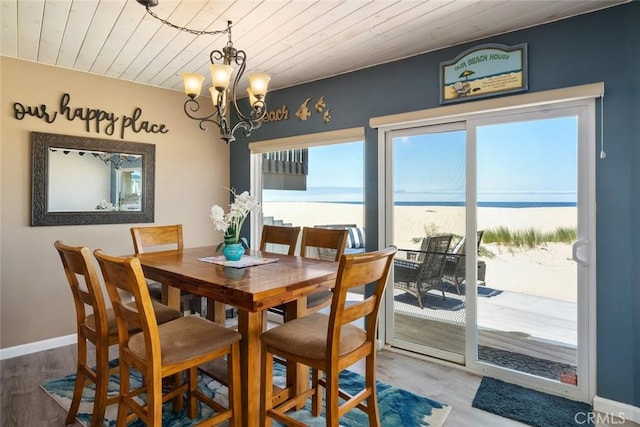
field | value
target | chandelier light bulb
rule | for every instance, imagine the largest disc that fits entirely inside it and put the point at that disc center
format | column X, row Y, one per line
column 252, row 97
column 218, row 98
column 220, row 76
column 259, row 83
column 192, row 84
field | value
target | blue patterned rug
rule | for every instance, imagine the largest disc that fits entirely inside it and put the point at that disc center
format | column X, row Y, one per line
column 397, row 407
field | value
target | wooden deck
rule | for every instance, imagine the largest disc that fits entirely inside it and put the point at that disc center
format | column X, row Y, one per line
column 539, row 327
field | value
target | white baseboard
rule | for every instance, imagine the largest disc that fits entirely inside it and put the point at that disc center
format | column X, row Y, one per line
column 34, row 347
column 618, row 409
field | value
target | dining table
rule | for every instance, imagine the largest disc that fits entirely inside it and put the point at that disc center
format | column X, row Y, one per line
column 252, row 290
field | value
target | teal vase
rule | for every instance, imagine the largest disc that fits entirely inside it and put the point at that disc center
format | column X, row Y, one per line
column 233, row 251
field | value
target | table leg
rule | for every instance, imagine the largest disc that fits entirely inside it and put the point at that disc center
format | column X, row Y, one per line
column 216, row 312
column 250, row 326
column 171, row 296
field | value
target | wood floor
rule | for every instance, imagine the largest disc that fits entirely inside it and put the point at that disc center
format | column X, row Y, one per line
column 25, row 404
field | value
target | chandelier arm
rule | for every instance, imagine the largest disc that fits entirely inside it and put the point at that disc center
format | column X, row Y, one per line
column 246, row 125
column 240, row 59
column 216, row 55
column 192, row 105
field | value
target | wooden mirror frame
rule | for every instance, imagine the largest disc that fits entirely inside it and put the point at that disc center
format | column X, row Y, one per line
column 40, row 144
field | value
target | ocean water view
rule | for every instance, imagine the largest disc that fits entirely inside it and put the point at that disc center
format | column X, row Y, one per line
column 353, row 195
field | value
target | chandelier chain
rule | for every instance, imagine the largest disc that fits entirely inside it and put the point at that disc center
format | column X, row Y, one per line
column 188, row 30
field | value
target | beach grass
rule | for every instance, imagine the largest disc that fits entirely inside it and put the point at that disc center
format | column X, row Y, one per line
column 529, row 238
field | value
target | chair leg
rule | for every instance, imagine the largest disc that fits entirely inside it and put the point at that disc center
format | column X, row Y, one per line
column 419, row 296
column 102, row 384
column 154, row 401
column 370, row 381
column 332, row 400
column 192, row 408
column 177, row 404
column 80, row 380
column 266, row 387
column 124, row 392
column 316, row 399
column 457, row 285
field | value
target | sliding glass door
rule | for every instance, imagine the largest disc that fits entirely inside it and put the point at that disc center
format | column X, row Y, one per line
column 509, row 291
column 429, row 176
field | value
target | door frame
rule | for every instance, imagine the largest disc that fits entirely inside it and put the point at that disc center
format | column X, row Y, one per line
column 580, row 96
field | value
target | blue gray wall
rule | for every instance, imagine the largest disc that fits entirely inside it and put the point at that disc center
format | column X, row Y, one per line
column 601, row 46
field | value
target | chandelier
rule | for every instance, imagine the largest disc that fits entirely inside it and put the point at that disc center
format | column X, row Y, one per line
column 221, row 69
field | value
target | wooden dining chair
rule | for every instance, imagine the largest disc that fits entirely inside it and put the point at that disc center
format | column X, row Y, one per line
column 322, row 243
column 97, row 325
column 279, row 235
column 286, row 239
column 167, row 350
column 157, row 238
column 330, row 344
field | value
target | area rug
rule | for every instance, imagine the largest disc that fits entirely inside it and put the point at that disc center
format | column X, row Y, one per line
column 528, row 406
column 397, row 407
column 432, row 301
column 483, row 291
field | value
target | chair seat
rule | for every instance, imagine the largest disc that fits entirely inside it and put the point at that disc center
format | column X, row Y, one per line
column 155, row 290
column 163, row 314
column 319, row 298
column 186, row 338
column 187, row 300
column 307, row 337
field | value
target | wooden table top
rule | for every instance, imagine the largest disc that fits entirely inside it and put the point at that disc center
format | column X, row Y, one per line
column 250, row 288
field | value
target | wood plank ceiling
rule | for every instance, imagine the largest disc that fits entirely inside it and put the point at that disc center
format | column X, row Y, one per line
column 293, row 41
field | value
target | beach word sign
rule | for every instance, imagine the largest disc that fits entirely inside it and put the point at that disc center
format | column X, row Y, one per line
column 94, row 119
column 482, row 71
column 278, row 115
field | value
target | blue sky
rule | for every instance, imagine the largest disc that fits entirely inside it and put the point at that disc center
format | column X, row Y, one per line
column 339, row 165
column 525, row 158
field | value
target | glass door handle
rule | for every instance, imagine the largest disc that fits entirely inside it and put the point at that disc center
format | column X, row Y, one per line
column 574, row 250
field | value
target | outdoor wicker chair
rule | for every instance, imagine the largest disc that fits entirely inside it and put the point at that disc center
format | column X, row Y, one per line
column 454, row 266
column 418, row 277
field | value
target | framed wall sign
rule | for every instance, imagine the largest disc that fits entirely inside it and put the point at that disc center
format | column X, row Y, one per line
column 483, row 71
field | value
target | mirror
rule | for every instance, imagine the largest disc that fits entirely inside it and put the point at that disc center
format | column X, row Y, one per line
column 78, row 180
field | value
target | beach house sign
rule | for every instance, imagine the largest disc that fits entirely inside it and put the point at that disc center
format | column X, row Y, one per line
column 482, row 71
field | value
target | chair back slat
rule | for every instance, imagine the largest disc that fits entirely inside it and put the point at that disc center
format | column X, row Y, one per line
column 357, row 270
column 77, row 263
column 161, row 237
column 279, row 235
column 435, row 257
column 358, row 310
column 125, row 274
column 461, row 246
column 323, row 243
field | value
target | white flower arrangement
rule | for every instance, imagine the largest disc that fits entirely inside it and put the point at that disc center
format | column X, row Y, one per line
column 231, row 223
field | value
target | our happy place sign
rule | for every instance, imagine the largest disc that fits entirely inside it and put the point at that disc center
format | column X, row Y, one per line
column 94, row 119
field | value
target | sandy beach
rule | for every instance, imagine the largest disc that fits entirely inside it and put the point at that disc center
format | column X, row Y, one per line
column 546, row 271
